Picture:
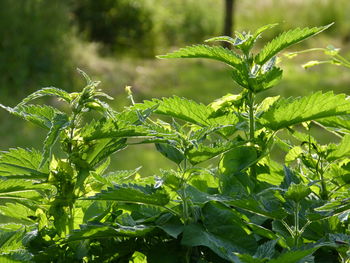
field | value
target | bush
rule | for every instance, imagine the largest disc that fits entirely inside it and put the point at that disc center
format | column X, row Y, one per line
column 34, row 50
column 121, row 25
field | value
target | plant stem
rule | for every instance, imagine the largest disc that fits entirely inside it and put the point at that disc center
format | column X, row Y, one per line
column 71, row 219
column 183, row 195
column 251, row 126
column 251, row 115
column 324, row 192
column 296, row 224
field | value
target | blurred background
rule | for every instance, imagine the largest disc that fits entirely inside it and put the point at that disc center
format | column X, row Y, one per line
column 42, row 42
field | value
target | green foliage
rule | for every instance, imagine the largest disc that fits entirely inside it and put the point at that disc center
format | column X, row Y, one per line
column 204, row 51
column 40, row 54
column 225, row 200
column 119, row 25
column 288, row 112
column 285, row 40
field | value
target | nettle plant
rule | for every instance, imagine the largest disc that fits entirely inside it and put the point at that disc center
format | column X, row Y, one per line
column 228, row 200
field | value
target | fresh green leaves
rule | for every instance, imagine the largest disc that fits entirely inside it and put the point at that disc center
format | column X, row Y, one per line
column 204, row 51
column 147, row 195
column 288, row 112
column 285, row 40
column 226, row 199
column 21, row 163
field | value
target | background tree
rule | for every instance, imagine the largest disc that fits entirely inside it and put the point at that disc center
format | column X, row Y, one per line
column 229, row 19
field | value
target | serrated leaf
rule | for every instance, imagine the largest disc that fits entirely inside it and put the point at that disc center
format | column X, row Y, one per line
column 21, row 163
column 337, row 151
column 20, row 189
column 293, row 256
column 288, row 112
column 204, row 51
column 293, row 154
column 237, row 160
column 18, row 211
column 170, row 225
column 196, row 235
column 110, row 128
column 256, row 207
column 285, row 40
column 297, row 192
column 147, row 195
column 268, row 80
column 39, row 115
column 10, row 240
column 246, row 258
column 99, row 150
column 170, row 152
column 12, row 249
column 97, row 231
column 336, row 122
column 223, row 232
column 247, row 46
column 266, row 250
column 236, row 42
column 59, row 122
column 200, row 152
column 116, row 177
column 189, row 110
column 49, row 91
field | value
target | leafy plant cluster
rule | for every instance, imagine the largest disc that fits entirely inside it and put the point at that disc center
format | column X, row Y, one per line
column 228, row 200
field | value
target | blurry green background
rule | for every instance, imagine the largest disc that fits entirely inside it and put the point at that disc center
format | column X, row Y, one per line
column 42, row 42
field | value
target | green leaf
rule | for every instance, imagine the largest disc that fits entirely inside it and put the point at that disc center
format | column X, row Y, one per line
column 110, row 128
column 99, row 150
column 337, row 151
column 133, row 194
column 267, row 80
column 10, row 240
column 336, row 122
column 59, row 122
column 333, row 208
column 247, row 45
column 21, row 189
column 18, row 211
column 170, row 224
column 223, row 232
column 266, row 250
column 237, row 160
column 138, row 257
column 12, row 249
column 96, row 211
column 116, row 177
column 39, row 115
column 258, row 207
column 293, row 256
column 200, row 152
column 293, row 154
column 263, row 253
column 232, row 41
column 171, row 152
column 285, row 40
column 288, row 112
column 204, row 51
column 21, row 163
column 189, row 110
column 99, row 231
column 246, row 258
column 297, row 192
column 49, row 91
column 195, row 235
